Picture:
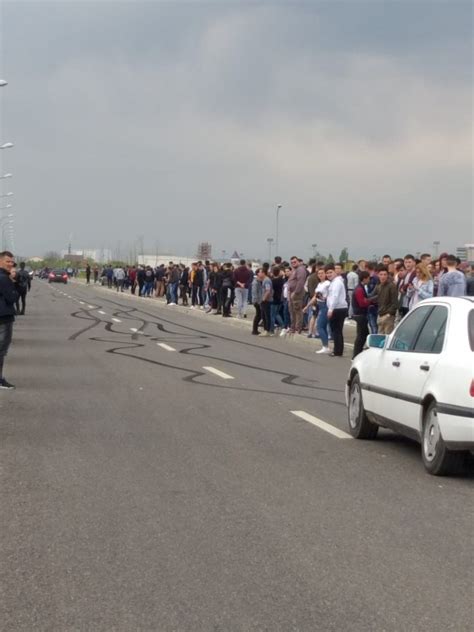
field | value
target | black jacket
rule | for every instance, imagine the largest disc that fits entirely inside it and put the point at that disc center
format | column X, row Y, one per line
column 8, row 296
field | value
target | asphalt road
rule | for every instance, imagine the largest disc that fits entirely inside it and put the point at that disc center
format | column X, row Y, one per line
column 143, row 491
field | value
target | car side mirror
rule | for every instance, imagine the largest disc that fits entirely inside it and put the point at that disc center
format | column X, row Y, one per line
column 376, row 341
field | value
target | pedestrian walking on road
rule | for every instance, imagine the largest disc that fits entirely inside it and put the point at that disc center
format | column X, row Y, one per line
column 88, row 274
column 22, row 285
column 8, row 297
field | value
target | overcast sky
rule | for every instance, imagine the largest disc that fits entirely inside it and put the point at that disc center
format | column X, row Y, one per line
column 189, row 121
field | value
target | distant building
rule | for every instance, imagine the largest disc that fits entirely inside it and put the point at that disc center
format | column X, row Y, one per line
column 158, row 260
column 99, row 255
column 204, row 251
column 466, row 252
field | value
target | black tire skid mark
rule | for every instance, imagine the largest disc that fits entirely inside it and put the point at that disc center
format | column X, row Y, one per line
column 214, row 335
column 288, row 378
column 194, row 375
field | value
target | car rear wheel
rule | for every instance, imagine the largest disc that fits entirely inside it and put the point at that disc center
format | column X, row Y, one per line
column 360, row 426
column 438, row 460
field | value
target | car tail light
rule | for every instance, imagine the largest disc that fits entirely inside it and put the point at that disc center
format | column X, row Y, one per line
column 64, row 276
column 471, row 390
column 51, row 276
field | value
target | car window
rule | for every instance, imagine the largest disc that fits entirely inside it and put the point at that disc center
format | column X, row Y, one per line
column 406, row 333
column 470, row 328
column 431, row 337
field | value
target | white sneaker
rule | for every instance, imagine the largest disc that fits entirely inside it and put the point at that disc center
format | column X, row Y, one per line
column 193, row 307
column 324, row 350
column 283, row 333
column 171, row 304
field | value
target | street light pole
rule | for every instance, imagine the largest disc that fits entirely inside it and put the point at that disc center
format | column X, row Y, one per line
column 270, row 242
column 436, row 246
column 314, row 246
column 277, row 233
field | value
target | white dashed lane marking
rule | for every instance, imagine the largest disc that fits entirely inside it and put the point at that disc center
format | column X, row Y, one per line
column 100, row 312
column 116, row 320
column 165, row 346
column 319, row 423
column 221, row 374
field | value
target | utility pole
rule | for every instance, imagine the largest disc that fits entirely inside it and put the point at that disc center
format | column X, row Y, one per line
column 270, row 243
column 277, row 233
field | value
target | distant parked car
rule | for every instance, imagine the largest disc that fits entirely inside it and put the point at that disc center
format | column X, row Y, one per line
column 57, row 276
column 419, row 382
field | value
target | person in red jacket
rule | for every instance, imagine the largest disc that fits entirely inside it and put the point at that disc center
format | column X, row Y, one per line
column 360, row 306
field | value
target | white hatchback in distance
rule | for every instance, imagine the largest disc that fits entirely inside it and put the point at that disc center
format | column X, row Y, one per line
column 419, row 382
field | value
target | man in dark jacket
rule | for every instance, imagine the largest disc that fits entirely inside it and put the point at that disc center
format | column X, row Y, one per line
column 8, row 297
column 22, row 285
column 360, row 306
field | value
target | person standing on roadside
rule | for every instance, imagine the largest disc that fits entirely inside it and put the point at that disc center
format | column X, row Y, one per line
column 242, row 280
column 96, row 274
column 352, row 283
column 360, row 305
column 296, row 283
column 337, row 308
column 88, row 274
column 8, row 298
column 22, row 285
column 452, row 282
column 257, row 301
column 386, row 295
column 266, row 304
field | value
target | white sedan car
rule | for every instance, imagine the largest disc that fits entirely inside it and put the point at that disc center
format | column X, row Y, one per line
column 419, row 382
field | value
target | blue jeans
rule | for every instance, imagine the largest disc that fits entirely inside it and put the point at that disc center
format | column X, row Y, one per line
column 322, row 323
column 372, row 320
column 241, row 298
column 173, row 292
column 147, row 288
column 286, row 314
column 276, row 316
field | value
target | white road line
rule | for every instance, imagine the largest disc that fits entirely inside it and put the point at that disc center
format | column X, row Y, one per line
column 81, row 303
column 91, row 306
column 165, row 346
column 100, row 312
column 221, row 374
column 116, row 320
column 321, row 424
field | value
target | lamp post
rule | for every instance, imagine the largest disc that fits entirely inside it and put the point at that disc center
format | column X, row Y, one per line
column 436, row 247
column 5, row 222
column 314, row 246
column 6, row 145
column 270, row 241
column 277, row 233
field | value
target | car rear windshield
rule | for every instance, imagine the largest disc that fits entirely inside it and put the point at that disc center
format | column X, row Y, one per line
column 470, row 328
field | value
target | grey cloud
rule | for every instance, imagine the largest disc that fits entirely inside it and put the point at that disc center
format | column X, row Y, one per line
column 191, row 121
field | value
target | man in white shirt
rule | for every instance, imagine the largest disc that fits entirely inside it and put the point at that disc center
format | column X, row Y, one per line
column 337, row 308
column 352, row 283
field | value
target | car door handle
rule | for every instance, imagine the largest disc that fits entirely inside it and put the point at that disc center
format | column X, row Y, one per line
column 425, row 367
column 396, row 363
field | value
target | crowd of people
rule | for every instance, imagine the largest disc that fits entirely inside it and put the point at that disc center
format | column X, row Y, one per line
column 292, row 297
column 303, row 298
